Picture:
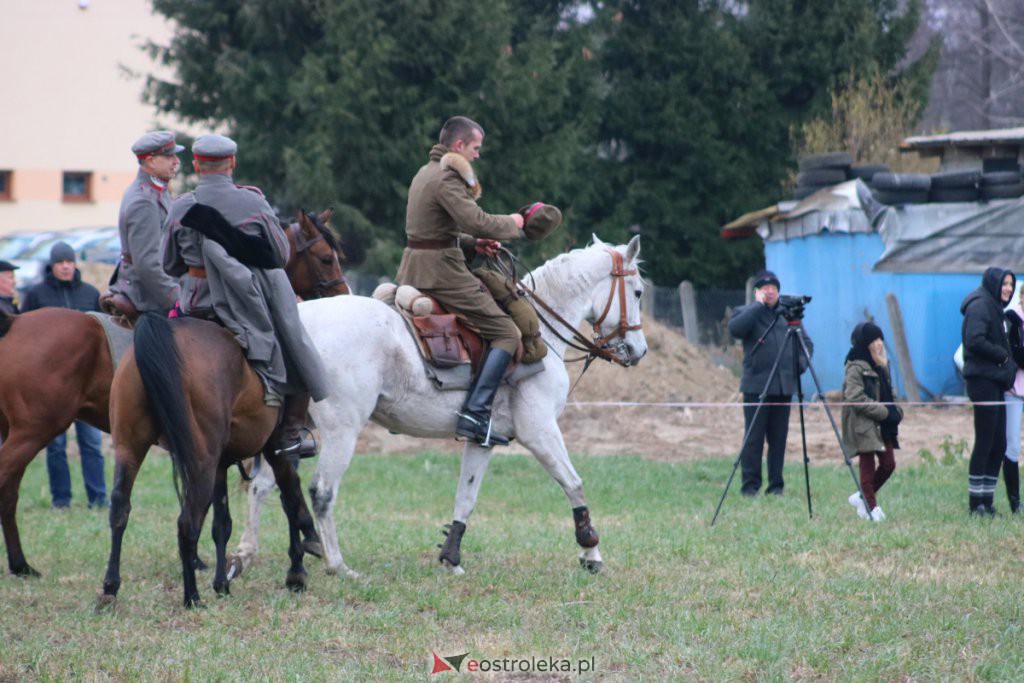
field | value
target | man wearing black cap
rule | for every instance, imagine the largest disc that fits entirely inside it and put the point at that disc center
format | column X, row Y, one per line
column 140, row 276
column 7, row 288
column 62, row 287
column 753, row 325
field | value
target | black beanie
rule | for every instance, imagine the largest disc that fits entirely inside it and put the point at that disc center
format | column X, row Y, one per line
column 865, row 333
column 61, row 251
column 766, row 277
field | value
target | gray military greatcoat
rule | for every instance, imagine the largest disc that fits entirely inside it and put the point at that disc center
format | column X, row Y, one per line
column 142, row 223
column 257, row 305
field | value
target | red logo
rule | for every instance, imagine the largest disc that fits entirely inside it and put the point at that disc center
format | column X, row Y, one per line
column 451, row 663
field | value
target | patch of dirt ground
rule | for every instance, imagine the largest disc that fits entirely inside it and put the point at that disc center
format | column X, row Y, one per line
column 701, row 418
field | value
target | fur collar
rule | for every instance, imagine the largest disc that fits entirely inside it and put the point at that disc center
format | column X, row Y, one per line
column 460, row 165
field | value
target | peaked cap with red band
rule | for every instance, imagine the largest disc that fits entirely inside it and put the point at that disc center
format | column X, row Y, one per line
column 156, row 143
column 540, row 220
column 213, row 147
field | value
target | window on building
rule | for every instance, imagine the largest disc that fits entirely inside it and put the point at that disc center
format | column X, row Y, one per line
column 5, row 186
column 77, row 186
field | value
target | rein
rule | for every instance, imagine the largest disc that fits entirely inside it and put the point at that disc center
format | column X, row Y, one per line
column 598, row 347
column 302, row 246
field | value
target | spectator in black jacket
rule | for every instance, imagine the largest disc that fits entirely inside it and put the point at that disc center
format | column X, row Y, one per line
column 989, row 370
column 762, row 338
column 7, row 288
column 62, row 287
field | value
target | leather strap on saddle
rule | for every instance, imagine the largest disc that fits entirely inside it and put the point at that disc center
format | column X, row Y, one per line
column 432, row 244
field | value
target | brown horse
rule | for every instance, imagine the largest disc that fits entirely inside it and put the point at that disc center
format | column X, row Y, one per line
column 56, row 368
column 207, row 406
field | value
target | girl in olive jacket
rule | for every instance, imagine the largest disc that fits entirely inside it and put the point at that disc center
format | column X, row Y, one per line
column 870, row 418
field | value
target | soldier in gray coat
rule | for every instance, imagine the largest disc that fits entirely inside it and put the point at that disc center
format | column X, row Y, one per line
column 142, row 222
column 753, row 324
column 441, row 217
column 227, row 245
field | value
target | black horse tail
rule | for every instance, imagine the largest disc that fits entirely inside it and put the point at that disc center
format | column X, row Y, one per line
column 159, row 363
column 5, row 322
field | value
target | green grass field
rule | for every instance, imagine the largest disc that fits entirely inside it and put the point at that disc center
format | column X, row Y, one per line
column 767, row 594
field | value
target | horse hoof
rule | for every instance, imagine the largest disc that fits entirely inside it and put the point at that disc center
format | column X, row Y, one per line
column 313, row 548
column 222, row 589
column 296, row 582
column 351, row 574
column 592, row 566
column 236, row 565
column 105, row 602
column 453, row 569
column 26, row 572
column 194, row 603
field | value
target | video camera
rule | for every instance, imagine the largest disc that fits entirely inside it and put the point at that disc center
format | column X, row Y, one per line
column 791, row 306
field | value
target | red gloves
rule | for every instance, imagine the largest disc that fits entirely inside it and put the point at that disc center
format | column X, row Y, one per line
column 488, row 248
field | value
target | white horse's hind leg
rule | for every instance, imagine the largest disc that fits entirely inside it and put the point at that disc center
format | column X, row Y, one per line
column 544, row 439
column 262, row 484
column 475, row 460
column 338, row 447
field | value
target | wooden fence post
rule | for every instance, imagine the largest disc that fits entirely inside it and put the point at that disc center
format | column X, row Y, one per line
column 688, row 302
column 902, row 350
column 647, row 300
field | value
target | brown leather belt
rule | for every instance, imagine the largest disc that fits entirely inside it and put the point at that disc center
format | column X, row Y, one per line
column 431, row 244
column 196, row 271
column 127, row 258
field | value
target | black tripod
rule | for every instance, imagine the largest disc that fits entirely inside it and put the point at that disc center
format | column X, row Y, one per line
column 793, row 313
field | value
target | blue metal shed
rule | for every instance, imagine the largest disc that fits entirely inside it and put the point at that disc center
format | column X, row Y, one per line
column 848, row 252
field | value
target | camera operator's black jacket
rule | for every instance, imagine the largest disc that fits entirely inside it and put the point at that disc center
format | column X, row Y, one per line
column 987, row 352
column 749, row 324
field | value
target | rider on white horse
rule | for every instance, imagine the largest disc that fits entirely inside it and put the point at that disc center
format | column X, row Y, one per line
column 442, row 217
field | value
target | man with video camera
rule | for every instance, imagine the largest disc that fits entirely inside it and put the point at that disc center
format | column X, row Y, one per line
column 757, row 325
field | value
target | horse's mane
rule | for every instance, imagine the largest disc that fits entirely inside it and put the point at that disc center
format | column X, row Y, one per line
column 329, row 236
column 571, row 274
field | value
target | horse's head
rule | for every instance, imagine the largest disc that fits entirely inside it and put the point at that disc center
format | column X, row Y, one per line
column 314, row 266
column 615, row 304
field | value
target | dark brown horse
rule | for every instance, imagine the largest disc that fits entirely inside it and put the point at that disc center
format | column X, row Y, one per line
column 55, row 368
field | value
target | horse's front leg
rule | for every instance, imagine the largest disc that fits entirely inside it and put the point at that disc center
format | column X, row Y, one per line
column 544, row 439
column 126, row 467
column 221, row 531
column 249, row 545
column 291, row 500
column 339, row 443
column 475, row 460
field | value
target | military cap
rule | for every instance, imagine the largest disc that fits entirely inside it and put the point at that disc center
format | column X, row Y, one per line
column 7, row 265
column 213, row 147
column 540, row 220
column 157, row 142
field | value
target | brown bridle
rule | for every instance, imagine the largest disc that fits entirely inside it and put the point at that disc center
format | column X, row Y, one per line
column 598, row 347
column 302, row 246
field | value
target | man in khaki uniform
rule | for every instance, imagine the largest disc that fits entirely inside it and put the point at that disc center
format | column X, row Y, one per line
column 442, row 215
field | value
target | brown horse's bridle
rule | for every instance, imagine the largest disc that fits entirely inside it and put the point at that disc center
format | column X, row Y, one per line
column 600, row 346
column 302, row 246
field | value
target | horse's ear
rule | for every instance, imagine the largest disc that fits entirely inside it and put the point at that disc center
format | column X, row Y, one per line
column 633, row 249
column 326, row 215
column 597, row 240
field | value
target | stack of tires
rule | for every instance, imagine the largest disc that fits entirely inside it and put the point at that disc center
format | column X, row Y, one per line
column 821, row 170
column 900, row 188
column 867, row 172
column 955, row 186
column 1001, row 185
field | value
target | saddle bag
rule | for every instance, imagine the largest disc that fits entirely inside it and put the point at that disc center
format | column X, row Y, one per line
column 441, row 339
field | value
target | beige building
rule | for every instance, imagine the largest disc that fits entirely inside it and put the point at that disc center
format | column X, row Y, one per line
column 71, row 91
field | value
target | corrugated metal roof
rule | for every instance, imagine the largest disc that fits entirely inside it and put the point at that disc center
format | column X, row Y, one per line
column 966, row 138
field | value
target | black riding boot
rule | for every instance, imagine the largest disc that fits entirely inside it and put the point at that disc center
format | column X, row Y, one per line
column 475, row 416
column 1011, row 477
column 290, row 439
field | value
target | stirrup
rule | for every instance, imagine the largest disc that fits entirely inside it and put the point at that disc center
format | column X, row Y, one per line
column 302, row 448
column 488, row 439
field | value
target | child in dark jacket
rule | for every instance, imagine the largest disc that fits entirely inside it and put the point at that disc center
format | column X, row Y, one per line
column 870, row 418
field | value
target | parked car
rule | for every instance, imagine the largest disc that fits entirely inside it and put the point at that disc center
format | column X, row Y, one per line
column 32, row 261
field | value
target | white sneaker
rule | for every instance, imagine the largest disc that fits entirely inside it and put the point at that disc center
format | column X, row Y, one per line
column 877, row 515
column 858, row 503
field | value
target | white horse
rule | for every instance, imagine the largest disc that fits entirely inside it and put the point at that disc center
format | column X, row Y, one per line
column 377, row 373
